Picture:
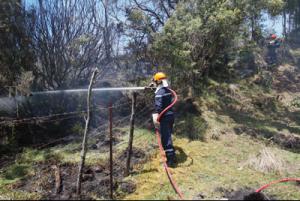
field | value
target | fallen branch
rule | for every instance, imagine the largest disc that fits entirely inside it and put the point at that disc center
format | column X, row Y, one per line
column 58, row 183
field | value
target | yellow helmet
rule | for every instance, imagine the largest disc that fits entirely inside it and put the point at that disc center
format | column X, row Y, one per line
column 159, row 76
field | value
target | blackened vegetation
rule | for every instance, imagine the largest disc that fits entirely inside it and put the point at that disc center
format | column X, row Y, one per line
column 256, row 196
column 285, row 140
column 95, row 178
column 47, row 120
column 244, row 194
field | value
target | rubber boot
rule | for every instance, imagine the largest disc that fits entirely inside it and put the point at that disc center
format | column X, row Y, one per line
column 171, row 161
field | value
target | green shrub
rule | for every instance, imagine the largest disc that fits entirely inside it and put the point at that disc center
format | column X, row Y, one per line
column 78, row 129
column 296, row 102
column 192, row 126
column 16, row 171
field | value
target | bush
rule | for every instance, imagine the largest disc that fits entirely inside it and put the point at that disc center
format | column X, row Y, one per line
column 16, row 171
column 296, row 102
column 193, row 127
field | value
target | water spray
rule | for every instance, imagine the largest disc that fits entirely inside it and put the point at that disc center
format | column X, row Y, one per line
column 93, row 90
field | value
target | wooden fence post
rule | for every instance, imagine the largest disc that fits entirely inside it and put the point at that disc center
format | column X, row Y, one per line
column 130, row 142
column 111, row 152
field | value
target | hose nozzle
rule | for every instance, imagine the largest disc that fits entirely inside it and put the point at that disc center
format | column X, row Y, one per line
column 150, row 88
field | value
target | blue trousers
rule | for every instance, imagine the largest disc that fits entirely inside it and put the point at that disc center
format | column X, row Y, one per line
column 166, row 129
column 272, row 56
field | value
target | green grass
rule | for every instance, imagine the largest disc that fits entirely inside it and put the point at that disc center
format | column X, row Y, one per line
column 215, row 164
column 205, row 165
column 142, row 138
column 23, row 165
column 22, row 168
column 296, row 52
column 15, row 172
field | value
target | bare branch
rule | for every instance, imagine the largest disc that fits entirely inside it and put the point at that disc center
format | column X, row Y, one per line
column 84, row 141
column 153, row 13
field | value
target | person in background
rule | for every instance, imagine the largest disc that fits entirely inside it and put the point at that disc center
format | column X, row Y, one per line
column 273, row 44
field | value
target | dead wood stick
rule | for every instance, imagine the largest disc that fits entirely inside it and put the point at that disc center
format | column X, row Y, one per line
column 58, row 183
column 84, row 141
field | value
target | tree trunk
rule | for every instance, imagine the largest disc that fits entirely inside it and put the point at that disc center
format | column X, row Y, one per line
column 84, row 141
column 284, row 23
column 17, row 103
column 289, row 22
column 252, row 29
column 129, row 149
column 106, row 33
column 10, row 92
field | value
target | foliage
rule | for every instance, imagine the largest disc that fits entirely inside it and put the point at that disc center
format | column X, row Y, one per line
column 77, row 128
column 200, row 35
column 16, row 171
column 16, row 54
column 296, row 102
column 193, row 127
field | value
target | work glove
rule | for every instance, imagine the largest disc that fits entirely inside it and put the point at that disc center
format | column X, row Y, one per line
column 155, row 122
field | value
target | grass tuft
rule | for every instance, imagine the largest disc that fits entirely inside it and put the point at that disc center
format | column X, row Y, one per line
column 266, row 161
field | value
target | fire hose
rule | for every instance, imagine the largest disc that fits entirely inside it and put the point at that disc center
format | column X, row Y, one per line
column 276, row 182
column 163, row 155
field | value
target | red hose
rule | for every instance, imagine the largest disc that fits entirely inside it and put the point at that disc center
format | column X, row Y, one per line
column 171, row 105
column 276, row 182
column 162, row 152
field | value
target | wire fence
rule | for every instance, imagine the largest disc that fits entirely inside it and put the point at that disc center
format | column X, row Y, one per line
column 58, row 117
column 142, row 116
column 97, row 136
column 8, row 122
column 61, row 116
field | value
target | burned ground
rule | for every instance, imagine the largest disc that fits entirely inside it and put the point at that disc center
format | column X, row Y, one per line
column 96, row 180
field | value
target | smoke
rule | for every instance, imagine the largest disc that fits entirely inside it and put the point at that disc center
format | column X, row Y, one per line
column 60, row 101
column 8, row 106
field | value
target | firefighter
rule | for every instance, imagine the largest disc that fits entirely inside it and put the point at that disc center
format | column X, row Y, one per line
column 273, row 44
column 163, row 98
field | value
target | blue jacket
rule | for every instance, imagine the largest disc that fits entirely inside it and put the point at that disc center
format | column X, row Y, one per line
column 274, row 44
column 163, row 98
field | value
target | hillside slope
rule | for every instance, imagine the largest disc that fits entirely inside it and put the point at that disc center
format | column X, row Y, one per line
column 246, row 134
column 252, row 138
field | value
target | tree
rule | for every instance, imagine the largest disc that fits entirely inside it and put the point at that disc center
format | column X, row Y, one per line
column 16, row 55
column 71, row 37
column 200, row 35
column 253, row 11
column 142, row 20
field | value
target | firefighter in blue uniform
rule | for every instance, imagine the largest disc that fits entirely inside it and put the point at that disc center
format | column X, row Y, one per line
column 163, row 98
column 273, row 44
